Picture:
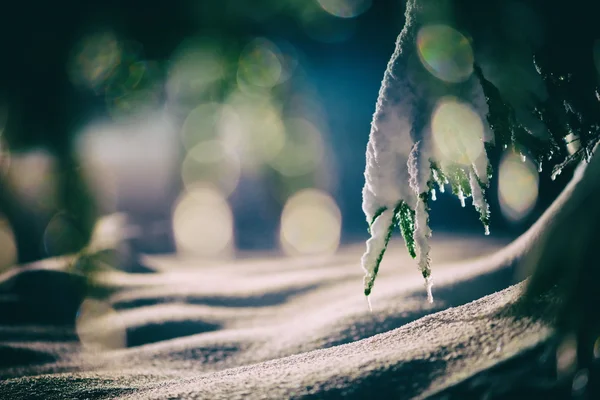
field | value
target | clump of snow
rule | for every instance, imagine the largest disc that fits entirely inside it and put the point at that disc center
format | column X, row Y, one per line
column 402, row 161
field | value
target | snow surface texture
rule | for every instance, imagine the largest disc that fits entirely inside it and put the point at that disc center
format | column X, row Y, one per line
column 263, row 328
column 270, row 327
column 401, row 149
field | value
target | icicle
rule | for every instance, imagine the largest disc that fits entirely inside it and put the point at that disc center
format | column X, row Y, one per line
column 433, row 195
column 487, row 230
column 461, row 197
column 523, row 157
column 436, row 177
column 540, row 167
column 428, row 285
column 369, row 303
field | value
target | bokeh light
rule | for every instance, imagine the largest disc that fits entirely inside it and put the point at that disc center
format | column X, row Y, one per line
column 116, row 69
column 445, row 53
column 566, row 356
column 98, row 327
column 204, row 123
column 8, row 247
column 211, row 162
column 302, row 151
column 94, row 59
column 310, row 224
column 517, row 186
column 580, row 382
column 33, row 179
column 258, row 132
column 134, row 88
column 345, row 8
column 259, row 64
column 196, row 65
column 457, row 132
column 203, row 223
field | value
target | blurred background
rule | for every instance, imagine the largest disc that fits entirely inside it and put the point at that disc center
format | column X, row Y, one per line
column 218, row 128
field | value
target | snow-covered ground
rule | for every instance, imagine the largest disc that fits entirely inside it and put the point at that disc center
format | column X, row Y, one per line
column 263, row 327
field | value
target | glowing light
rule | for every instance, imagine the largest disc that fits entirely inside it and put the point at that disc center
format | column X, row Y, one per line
column 202, row 123
column 256, row 133
column 445, row 53
column 62, row 235
column 580, row 381
column 345, row 8
column 98, row 326
column 457, row 132
column 32, row 176
column 517, row 186
column 302, row 151
column 203, row 223
column 260, row 64
column 310, row 224
column 8, row 248
column 211, row 162
column 95, row 59
column 566, row 356
column 196, row 65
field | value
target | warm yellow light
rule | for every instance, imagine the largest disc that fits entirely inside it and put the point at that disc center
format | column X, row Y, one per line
column 457, row 132
column 211, row 162
column 310, row 224
column 517, row 186
column 254, row 130
column 203, row 223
